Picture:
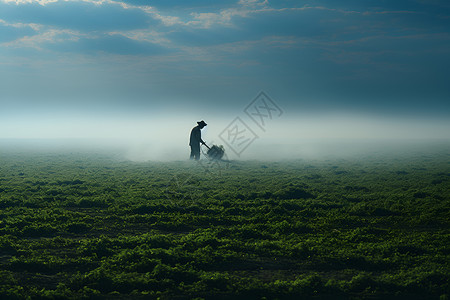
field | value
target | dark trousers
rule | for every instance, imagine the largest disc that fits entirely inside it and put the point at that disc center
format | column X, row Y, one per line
column 195, row 152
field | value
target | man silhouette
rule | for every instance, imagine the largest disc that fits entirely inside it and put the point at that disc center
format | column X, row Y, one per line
column 196, row 139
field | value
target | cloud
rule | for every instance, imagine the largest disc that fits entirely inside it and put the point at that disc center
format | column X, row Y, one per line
column 181, row 4
column 113, row 44
column 40, row 2
column 11, row 32
column 325, row 55
column 83, row 16
column 253, row 3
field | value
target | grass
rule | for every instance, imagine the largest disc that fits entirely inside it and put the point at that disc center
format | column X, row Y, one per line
column 86, row 225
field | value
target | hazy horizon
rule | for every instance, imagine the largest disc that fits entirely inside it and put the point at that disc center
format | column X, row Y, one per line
column 304, row 149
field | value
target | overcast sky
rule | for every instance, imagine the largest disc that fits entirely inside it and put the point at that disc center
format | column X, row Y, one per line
column 79, row 68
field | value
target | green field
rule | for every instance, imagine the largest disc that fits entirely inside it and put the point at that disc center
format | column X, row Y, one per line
column 89, row 225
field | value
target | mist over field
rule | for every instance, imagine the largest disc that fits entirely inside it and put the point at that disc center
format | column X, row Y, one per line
column 291, row 136
column 308, row 149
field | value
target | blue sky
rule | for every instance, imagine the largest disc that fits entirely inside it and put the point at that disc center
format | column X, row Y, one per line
column 111, row 60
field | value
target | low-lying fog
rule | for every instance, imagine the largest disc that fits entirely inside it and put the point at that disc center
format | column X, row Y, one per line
column 167, row 138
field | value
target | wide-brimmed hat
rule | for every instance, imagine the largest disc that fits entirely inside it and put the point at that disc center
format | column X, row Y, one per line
column 202, row 123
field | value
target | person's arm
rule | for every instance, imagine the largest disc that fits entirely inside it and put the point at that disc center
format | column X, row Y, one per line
column 200, row 138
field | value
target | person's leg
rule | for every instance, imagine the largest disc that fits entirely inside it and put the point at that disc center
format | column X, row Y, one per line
column 192, row 153
column 197, row 155
column 195, row 152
